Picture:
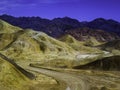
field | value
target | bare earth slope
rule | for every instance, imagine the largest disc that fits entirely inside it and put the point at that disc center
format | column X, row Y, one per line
column 21, row 48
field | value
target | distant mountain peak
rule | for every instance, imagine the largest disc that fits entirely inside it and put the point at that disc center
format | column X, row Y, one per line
column 58, row 26
column 105, row 20
column 66, row 19
column 99, row 19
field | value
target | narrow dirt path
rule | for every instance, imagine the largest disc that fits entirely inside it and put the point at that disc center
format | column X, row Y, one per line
column 73, row 82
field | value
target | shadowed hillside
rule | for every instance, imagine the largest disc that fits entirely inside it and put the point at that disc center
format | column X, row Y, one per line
column 98, row 28
column 111, row 45
column 109, row 63
column 83, row 34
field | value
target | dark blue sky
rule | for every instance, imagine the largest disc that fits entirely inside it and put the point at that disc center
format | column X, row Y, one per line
column 78, row 9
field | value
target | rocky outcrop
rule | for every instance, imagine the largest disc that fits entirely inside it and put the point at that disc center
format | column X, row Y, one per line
column 83, row 34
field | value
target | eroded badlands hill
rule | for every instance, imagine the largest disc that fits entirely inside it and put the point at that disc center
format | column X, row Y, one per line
column 26, row 47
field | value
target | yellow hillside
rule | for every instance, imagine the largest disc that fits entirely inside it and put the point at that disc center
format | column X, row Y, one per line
column 7, row 28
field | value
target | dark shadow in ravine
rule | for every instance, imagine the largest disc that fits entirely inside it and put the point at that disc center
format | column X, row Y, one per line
column 109, row 63
column 26, row 73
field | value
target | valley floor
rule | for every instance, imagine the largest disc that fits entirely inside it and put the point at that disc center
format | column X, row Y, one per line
column 81, row 79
